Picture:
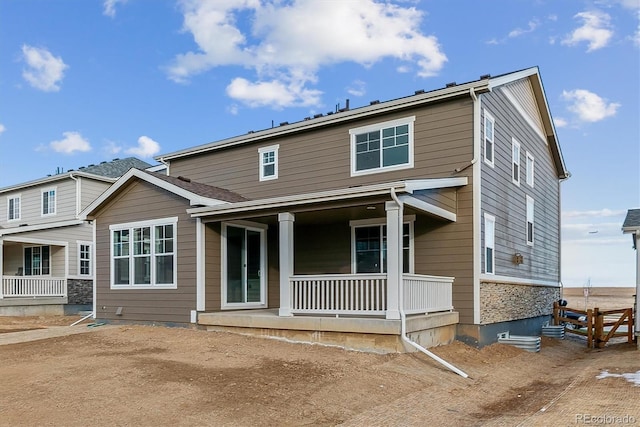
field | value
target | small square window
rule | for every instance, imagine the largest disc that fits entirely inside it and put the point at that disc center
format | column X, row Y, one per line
column 268, row 158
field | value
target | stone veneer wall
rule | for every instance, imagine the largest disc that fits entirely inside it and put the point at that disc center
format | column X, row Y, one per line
column 80, row 291
column 502, row 302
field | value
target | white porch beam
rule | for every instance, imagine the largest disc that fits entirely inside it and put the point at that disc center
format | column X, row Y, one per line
column 200, row 263
column 394, row 259
column 285, row 230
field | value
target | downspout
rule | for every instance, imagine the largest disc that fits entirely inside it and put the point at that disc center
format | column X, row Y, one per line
column 476, row 154
column 78, row 193
column 403, row 317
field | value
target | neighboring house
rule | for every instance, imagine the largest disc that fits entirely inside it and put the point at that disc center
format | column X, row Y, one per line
column 46, row 251
column 631, row 225
column 340, row 227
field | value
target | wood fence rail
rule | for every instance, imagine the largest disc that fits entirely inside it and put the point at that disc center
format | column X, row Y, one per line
column 599, row 326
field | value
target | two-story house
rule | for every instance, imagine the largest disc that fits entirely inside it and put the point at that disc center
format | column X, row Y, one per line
column 46, row 250
column 428, row 217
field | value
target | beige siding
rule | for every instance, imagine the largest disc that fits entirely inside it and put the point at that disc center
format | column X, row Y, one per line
column 140, row 201
column 31, row 204
column 90, row 190
column 320, row 160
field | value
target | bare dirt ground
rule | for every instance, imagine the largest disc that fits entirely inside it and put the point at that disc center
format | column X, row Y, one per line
column 156, row 376
column 604, row 298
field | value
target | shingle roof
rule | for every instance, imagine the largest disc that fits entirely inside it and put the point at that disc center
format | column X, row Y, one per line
column 200, row 189
column 633, row 219
column 115, row 168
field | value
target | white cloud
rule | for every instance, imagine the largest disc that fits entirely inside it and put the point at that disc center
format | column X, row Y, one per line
column 595, row 30
column 2, row 128
column 276, row 94
column 559, row 122
column 147, row 147
column 531, row 27
column 289, row 41
column 589, row 107
column 71, row 143
column 110, row 7
column 357, row 88
column 111, row 148
column 45, row 71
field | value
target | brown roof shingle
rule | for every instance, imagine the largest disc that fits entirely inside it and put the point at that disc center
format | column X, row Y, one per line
column 200, row 189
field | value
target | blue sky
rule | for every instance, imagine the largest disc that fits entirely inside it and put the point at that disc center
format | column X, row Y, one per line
column 84, row 81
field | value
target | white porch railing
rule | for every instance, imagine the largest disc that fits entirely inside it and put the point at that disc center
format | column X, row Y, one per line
column 366, row 294
column 427, row 294
column 26, row 286
column 360, row 294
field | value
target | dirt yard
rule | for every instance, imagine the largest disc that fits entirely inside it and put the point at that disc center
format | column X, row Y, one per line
column 155, row 376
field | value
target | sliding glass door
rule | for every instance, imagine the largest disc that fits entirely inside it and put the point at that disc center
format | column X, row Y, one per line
column 244, row 260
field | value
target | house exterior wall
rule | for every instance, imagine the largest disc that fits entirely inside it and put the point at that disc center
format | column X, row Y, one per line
column 507, row 201
column 31, row 204
column 13, row 255
column 508, row 300
column 319, row 160
column 140, row 201
column 90, row 189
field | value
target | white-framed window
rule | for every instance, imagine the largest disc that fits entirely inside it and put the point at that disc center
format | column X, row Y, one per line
column 489, row 128
column 48, row 201
column 37, row 261
column 515, row 162
column 531, row 163
column 369, row 246
column 13, row 208
column 144, row 254
column 530, row 221
column 382, row 147
column 84, row 258
column 489, row 243
column 268, row 162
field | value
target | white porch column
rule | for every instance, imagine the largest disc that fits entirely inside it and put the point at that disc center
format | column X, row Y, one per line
column 286, row 220
column 394, row 261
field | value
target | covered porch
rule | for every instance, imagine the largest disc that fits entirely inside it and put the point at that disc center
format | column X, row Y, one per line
column 349, row 263
column 33, row 274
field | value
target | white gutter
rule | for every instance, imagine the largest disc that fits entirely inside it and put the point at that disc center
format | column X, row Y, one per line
column 403, row 317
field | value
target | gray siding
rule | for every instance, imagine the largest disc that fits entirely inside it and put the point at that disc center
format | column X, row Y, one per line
column 137, row 202
column 507, row 201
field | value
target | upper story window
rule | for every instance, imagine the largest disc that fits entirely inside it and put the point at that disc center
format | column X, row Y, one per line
column 489, row 127
column 530, row 223
column 49, row 202
column 515, row 161
column 369, row 247
column 37, row 261
column 84, row 259
column 489, row 243
column 382, row 147
column 268, row 162
column 530, row 169
column 144, row 254
column 13, row 208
